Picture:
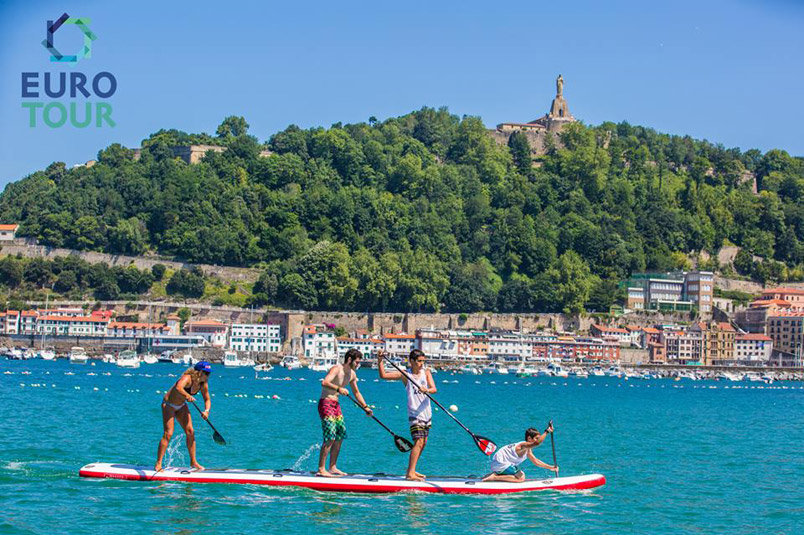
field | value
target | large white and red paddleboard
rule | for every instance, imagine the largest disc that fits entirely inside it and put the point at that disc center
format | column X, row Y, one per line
column 377, row 483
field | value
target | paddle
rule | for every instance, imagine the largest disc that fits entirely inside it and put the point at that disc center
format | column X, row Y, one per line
column 402, row 444
column 217, row 437
column 486, row 445
column 553, row 443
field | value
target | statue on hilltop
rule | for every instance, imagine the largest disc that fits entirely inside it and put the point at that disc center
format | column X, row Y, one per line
column 559, row 86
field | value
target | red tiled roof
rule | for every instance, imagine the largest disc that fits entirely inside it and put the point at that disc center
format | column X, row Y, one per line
column 762, row 303
column 9, row 227
column 754, row 336
column 30, row 313
column 782, row 290
column 651, row 330
column 135, row 325
column 391, row 336
column 723, row 326
column 72, row 318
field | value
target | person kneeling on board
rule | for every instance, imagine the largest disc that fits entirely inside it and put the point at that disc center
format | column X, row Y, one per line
column 174, row 406
column 506, row 461
column 329, row 410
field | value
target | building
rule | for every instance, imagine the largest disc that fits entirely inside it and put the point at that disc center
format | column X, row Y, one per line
column 772, row 302
column 213, row 331
column 436, row 344
column 259, row 337
column 317, row 340
column 576, row 349
column 71, row 326
column 648, row 336
column 509, row 346
column 399, row 345
column 699, row 289
column 675, row 291
column 719, row 345
column 364, row 345
column 621, row 336
column 12, row 323
column 684, row 347
column 130, row 329
column 8, row 232
column 28, row 321
column 752, row 348
column 786, row 331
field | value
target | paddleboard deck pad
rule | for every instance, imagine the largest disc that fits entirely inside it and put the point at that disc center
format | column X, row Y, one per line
column 376, row 483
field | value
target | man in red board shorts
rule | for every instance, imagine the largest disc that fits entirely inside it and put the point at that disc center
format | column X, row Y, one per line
column 329, row 410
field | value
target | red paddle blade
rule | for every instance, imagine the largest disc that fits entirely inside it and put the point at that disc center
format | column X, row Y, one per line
column 485, row 444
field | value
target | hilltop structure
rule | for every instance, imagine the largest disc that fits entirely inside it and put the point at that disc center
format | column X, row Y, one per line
column 537, row 130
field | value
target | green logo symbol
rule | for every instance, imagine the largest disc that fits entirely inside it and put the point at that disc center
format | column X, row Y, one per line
column 83, row 25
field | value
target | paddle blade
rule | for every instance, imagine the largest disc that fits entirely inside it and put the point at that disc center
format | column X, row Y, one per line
column 486, row 445
column 402, row 444
column 218, row 438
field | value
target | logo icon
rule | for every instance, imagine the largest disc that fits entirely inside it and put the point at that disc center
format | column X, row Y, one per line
column 83, row 25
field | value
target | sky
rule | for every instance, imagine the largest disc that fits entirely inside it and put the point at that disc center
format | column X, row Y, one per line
column 726, row 71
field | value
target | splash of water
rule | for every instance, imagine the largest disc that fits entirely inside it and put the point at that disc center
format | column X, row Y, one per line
column 174, row 456
column 297, row 466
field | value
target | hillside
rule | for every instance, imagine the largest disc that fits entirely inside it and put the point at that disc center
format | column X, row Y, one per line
column 425, row 212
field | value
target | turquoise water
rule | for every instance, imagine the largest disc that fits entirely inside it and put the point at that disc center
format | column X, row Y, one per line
column 680, row 457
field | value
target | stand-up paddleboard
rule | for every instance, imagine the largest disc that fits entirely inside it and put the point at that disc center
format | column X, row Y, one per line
column 353, row 483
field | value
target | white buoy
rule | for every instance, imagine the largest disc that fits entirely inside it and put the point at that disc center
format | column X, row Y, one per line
column 453, row 408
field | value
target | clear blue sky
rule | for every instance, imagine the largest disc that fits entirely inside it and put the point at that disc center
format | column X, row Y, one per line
column 726, row 71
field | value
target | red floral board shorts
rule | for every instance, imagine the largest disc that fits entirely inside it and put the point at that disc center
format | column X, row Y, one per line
column 332, row 424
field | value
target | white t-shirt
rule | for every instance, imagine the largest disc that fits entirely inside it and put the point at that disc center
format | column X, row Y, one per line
column 506, row 456
column 419, row 409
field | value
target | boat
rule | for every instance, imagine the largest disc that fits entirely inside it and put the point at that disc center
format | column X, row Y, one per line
column 376, row 483
column 15, row 353
column 78, row 355
column 472, row 370
column 165, row 356
column 150, row 358
column 291, row 362
column 265, row 367
column 128, row 359
column 323, row 363
column 554, row 369
column 47, row 354
column 231, row 360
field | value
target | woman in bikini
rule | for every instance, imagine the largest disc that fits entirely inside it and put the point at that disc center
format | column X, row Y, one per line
column 174, row 405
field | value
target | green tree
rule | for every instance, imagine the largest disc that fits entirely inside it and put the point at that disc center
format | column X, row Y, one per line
column 232, row 127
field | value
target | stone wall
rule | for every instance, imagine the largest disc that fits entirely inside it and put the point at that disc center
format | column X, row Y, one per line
column 228, row 274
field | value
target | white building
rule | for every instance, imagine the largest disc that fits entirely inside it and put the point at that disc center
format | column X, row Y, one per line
column 130, row 329
column 8, row 232
column 752, row 347
column 364, row 345
column 509, row 346
column 72, row 325
column 258, row 337
column 437, row 345
column 399, row 345
column 213, row 331
column 317, row 341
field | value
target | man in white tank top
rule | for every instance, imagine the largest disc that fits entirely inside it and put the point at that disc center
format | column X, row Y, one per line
column 506, row 461
column 420, row 414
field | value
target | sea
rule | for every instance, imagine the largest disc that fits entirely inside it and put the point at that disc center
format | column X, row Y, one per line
column 684, row 456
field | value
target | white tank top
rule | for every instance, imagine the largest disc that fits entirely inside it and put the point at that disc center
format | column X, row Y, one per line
column 418, row 404
column 506, row 456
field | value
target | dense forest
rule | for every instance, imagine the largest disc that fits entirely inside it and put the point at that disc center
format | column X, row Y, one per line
column 426, row 212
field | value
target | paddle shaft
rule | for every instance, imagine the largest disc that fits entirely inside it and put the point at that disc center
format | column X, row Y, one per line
column 403, row 372
column 553, row 444
column 205, row 419
column 372, row 416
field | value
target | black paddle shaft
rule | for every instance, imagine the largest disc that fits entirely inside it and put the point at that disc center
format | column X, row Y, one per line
column 553, row 444
column 216, row 436
column 476, row 438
